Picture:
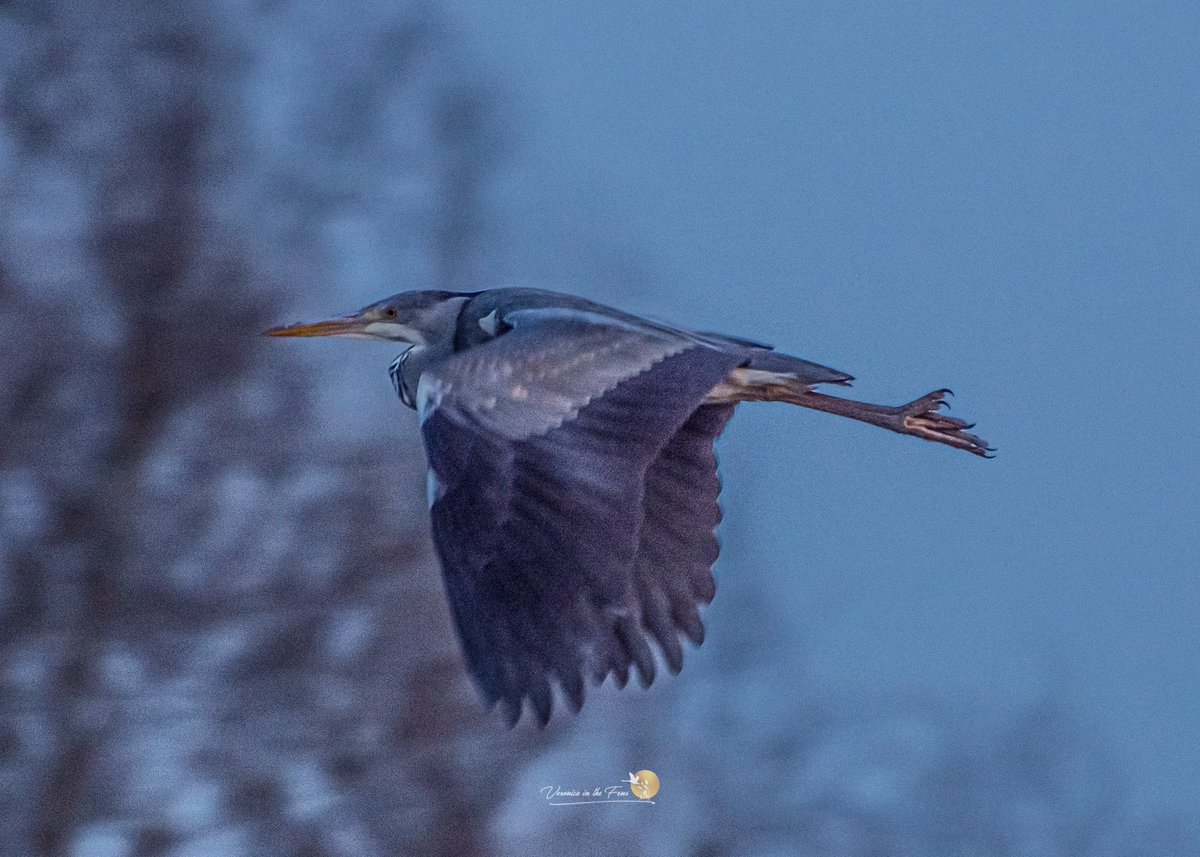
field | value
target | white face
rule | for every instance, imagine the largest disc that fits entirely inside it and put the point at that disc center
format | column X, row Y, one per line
column 394, row 331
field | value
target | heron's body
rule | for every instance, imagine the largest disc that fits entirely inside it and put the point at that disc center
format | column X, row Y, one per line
column 573, row 485
column 478, row 320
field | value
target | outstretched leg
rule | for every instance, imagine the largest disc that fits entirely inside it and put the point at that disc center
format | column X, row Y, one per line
column 919, row 418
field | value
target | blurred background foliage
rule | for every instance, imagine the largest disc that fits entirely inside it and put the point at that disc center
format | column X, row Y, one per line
column 221, row 625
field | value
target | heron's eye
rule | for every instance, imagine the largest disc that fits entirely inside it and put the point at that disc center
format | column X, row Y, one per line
column 390, row 312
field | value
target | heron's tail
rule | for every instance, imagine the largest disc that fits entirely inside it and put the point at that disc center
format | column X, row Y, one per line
column 794, row 371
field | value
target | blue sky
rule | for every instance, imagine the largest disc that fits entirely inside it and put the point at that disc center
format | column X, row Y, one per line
column 999, row 198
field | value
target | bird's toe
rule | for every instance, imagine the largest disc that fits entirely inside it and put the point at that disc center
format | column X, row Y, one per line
column 922, row 417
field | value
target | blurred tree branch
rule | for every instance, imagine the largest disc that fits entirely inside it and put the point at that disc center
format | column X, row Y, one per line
column 218, row 626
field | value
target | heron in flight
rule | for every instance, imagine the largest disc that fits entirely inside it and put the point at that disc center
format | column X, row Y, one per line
column 572, row 480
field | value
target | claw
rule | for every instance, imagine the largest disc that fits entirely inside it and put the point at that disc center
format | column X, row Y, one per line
column 919, row 418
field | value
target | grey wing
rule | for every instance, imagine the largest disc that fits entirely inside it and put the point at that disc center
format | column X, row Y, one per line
column 541, row 476
column 678, row 542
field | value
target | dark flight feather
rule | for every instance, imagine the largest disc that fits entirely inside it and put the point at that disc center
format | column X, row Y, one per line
column 552, row 567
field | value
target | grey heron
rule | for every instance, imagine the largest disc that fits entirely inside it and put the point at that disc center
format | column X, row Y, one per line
column 572, row 479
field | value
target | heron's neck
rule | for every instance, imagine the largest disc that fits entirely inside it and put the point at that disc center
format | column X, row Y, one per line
column 406, row 369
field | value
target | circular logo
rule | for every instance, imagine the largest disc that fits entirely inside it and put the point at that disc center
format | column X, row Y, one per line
column 645, row 785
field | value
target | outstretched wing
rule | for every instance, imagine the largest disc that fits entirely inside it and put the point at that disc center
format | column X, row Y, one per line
column 541, row 443
column 678, row 541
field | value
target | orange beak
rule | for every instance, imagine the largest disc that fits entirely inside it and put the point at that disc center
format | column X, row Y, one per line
column 347, row 326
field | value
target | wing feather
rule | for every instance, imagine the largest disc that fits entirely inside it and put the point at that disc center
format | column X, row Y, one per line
column 678, row 542
column 539, row 518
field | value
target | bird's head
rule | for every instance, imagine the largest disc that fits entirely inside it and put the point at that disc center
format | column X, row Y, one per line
column 416, row 318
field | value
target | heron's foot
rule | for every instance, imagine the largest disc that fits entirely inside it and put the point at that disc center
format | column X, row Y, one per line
column 923, row 418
